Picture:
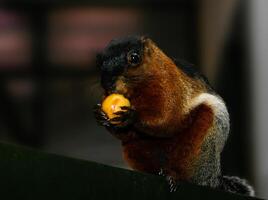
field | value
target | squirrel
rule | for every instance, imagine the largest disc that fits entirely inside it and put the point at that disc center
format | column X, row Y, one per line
column 176, row 126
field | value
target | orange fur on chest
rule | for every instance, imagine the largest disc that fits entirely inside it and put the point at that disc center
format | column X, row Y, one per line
column 164, row 135
column 157, row 98
column 175, row 155
column 163, row 93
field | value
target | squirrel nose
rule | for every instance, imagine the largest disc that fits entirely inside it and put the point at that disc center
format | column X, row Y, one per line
column 108, row 82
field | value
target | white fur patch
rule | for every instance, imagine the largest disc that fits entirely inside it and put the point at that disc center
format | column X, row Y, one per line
column 213, row 101
column 221, row 116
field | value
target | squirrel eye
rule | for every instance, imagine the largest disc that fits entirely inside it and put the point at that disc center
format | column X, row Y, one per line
column 133, row 58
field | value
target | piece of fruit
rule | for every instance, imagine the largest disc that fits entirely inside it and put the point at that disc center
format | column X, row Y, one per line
column 113, row 104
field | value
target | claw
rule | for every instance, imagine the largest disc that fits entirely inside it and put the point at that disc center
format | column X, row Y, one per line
column 97, row 106
column 116, row 119
column 172, row 184
column 125, row 107
column 120, row 112
column 161, row 172
column 124, row 118
column 100, row 116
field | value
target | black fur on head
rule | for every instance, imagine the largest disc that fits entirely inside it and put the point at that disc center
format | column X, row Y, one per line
column 117, row 57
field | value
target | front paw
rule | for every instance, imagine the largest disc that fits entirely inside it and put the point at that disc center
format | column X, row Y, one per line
column 101, row 117
column 172, row 183
column 124, row 118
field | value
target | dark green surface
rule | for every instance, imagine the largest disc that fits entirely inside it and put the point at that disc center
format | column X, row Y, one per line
column 29, row 174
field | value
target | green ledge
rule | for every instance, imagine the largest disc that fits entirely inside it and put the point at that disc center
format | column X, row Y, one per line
column 30, row 174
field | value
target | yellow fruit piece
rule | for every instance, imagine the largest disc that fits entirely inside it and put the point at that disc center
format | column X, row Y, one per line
column 113, row 104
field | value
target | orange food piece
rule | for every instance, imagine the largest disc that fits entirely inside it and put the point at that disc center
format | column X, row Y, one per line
column 113, row 103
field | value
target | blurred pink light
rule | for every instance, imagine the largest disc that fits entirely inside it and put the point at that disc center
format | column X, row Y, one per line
column 77, row 34
column 15, row 41
column 20, row 88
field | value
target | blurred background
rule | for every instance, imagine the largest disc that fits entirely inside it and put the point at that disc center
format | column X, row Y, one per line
column 49, row 83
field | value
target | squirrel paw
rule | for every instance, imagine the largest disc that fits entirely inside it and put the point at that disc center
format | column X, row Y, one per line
column 124, row 118
column 172, row 184
column 161, row 173
column 171, row 181
column 101, row 116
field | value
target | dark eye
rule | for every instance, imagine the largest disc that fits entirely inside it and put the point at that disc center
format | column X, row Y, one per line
column 133, row 58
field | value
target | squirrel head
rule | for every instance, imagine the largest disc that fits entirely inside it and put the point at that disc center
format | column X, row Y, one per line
column 128, row 62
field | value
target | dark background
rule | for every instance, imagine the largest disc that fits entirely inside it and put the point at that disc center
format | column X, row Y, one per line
column 49, row 83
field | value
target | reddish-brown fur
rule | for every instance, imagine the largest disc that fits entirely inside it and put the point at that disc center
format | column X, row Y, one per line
column 174, row 155
column 165, row 136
